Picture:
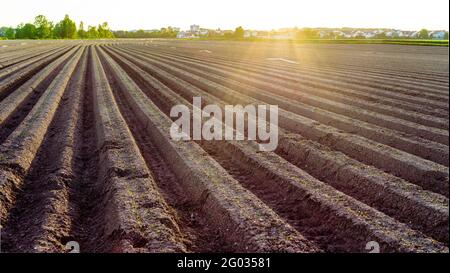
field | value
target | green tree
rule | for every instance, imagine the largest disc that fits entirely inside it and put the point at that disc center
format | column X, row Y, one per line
column 57, row 31
column 3, row 31
column 104, row 31
column 423, row 34
column 43, row 27
column 19, row 34
column 81, row 32
column 8, row 33
column 92, row 32
column 165, row 32
column 27, row 31
column 121, row 34
column 100, row 31
column 239, row 32
column 66, row 29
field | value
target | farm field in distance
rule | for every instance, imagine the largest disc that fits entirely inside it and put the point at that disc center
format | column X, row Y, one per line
column 86, row 154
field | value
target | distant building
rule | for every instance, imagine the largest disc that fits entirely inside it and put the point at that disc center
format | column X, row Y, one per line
column 251, row 33
column 358, row 34
column 369, row 35
column 338, row 34
column 203, row 31
column 402, row 34
column 195, row 28
column 415, row 34
column 438, row 35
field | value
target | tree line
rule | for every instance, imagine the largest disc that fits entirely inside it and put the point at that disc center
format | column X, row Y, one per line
column 165, row 32
column 42, row 28
column 170, row 32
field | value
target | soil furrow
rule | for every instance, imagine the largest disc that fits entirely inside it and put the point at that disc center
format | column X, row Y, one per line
column 373, row 103
column 88, row 155
column 425, row 173
column 197, row 234
column 327, row 238
column 49, row 182
column 19, row 150
column 219, row 194
column 16, row 107
column 8, row 72
column 348, row 73
column 10, row 83
column 406, row 202
column 319, row 97
column 293, row 75
column 417, row 146
column 128, row 214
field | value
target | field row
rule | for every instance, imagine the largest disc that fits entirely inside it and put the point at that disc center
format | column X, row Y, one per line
column 86, row 153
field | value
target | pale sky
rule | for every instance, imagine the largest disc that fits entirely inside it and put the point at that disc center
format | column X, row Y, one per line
column 227, row 14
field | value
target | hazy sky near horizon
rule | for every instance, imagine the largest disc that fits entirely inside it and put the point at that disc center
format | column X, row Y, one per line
column 227, row 14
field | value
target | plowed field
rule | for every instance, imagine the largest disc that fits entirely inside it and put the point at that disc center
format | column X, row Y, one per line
column 86, row 153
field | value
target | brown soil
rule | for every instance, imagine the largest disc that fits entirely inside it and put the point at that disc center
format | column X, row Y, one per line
column 86, row 155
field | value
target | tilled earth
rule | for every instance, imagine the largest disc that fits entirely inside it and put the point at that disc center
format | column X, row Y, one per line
column 86, row 153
